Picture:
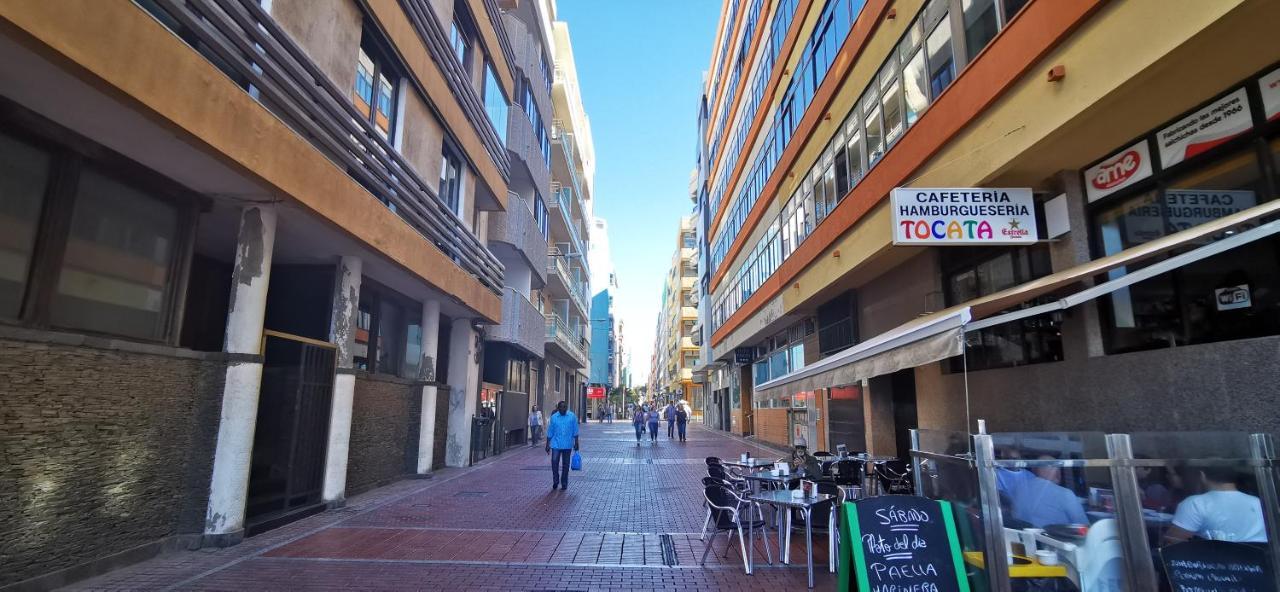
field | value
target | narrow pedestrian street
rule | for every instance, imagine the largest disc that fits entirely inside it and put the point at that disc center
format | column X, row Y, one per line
column 499, row 526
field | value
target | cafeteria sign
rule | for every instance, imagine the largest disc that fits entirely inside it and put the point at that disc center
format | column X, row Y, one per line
column 965, row 216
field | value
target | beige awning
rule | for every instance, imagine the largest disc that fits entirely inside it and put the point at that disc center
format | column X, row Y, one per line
column 939, row 335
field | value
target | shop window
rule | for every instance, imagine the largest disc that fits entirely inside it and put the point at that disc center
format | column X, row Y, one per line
column 24, row 177
column 388, row 333
column 117, row 264
column 1229, row 296
column 450, row 179
column 972, row 273
column 376, row 84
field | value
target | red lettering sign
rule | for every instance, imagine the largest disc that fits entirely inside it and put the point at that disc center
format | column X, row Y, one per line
column 1118, row 171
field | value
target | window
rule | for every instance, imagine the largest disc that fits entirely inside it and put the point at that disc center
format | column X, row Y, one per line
column 134, row 236
column 458, row 39
column 495, row 103
column 388, row 336
column 837, row 325
column 376, row 83
column 450, row 179
column 942, row 69
column 113, row 244
column 980, row 24
column 24, row 177
column 891, row 101
column 915, row 82
column 875, row 133
column 540, row 216
column 971, row 273
column 687, row 240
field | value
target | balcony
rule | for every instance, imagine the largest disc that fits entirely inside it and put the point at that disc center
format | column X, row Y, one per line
column 561, row 283
column 522, row 324
column 565, row 343
column 563, row 219
column 515, row 234
column 305, row 99
column 567, row 162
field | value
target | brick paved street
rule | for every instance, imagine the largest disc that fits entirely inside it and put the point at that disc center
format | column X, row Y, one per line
column 499, row 526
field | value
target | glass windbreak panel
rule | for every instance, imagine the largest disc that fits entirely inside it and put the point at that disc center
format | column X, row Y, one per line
column 24, row 174
column 942, row 69
column 115, row 273
column 1199, row 486
column 915, row 82
column 980, row 24
column 948, row 474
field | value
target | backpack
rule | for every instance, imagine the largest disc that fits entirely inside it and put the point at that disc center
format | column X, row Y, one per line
column 681, row 415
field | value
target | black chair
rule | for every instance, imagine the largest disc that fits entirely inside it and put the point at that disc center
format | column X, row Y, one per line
column 894, row 476
column 713, row 460
column 726, row 509
column 849, row 472
column 823, row 453
column 723, row 474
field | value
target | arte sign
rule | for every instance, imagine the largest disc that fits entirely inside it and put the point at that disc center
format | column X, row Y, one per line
column 1269, row 86
column 1216, row 123
column 1118, row 171
column 965, row 216
column 595, row 392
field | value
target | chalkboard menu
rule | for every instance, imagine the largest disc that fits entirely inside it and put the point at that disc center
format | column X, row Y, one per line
column 901, row 543
column 1217, row 566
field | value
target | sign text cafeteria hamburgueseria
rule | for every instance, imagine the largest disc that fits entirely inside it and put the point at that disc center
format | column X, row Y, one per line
column 968, row 216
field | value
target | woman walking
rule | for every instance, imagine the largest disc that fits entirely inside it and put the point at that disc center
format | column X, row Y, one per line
column 535, row 425
column 652, row 417
column 637, row 422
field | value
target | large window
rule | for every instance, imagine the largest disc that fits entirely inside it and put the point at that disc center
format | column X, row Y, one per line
column 376, row 84
column 388, row 333
column 113, row 242
column 973, row 272
column 460, row 41
column 495, row 103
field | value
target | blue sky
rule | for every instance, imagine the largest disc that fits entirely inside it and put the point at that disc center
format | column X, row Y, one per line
column 640, row 65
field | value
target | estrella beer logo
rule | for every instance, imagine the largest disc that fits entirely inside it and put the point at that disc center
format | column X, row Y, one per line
column 1119, row 170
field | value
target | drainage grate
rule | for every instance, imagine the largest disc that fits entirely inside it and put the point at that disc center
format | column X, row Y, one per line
column 471, row 494
column 669, row 558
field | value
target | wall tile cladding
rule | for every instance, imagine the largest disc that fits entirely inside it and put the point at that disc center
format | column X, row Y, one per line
column 522, row 142
column 384, row 432
column 100, row 451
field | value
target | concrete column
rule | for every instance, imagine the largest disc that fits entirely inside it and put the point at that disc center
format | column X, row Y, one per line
column 229, row 483
column 342, row 331
column 430, row 349
column 464, row 384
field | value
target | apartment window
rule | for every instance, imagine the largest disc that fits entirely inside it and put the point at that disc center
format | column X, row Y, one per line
column 688, row 240
column 915, row 75
column 942, row 67
column 24, row 179
column 837, row 324
column 972, row 273
column 875, row 131
column 388, row 332
column 980, row 24
column 114, row 242
column 450, row 179
column 461, row 43
column 540, row 216
column 495, row 103
column 891, row 101
column 376, row 83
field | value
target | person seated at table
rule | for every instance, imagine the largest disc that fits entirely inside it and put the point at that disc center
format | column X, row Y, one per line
column 1155, row 487
column 1035, row 496
column 804, row 463
column 1221, row 513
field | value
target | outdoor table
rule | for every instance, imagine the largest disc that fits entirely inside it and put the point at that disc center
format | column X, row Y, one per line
column 782, row 498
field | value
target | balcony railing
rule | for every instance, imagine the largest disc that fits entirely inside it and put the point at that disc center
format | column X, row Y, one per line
column 248, row 45
column 560, row 201
column 572, row 159
column 568, row 340
column 559, row 266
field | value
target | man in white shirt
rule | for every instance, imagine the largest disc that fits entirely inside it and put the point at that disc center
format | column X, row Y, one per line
column 1222, row 513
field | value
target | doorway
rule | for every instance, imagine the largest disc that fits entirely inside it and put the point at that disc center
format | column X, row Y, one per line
column 748, row 408
column 290, row 439
column 905, row 418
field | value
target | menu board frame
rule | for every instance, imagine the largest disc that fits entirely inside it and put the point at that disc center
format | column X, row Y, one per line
column 853, row 554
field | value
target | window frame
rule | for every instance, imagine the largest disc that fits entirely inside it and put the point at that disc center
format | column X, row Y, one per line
column 375, row 48
column 70, row 154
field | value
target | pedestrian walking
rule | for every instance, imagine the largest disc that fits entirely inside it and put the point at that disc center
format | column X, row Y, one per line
column 669, row 414
column 535, row 425
column 652, row 418
column 682, row 420
column 562, row 441
column 637, row 422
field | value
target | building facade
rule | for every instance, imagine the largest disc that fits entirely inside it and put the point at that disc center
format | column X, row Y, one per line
column 830, row 319
column 605, row 325
column 566, row 301
column 255, row 255
column 675, row 353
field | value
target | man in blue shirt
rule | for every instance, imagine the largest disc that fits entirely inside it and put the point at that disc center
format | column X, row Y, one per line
column 1036, row 497
column 562, row 440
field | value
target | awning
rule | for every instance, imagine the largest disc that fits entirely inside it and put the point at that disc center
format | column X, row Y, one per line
column 938, row 336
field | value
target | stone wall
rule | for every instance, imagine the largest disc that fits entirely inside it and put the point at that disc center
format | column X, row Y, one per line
column 384, row 433
column 104, row 447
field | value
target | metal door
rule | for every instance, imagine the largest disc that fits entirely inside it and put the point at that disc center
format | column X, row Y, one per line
column 292, row 432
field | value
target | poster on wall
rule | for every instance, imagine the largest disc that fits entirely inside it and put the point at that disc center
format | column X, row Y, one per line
column 1216, row 123
column 1118, row 171
column 1269, row 85
column 963, row 216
